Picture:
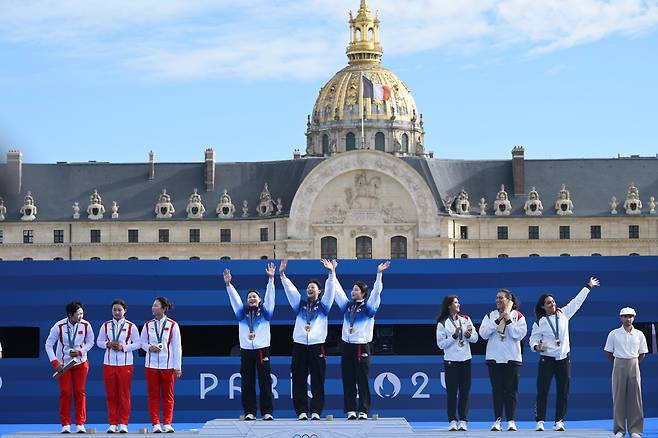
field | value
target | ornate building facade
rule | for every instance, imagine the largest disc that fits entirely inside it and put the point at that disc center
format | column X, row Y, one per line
column 365, row 188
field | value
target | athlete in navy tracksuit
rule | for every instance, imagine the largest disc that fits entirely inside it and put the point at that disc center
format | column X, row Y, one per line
column 309, row 334
column 254, row 333
column 358, row 324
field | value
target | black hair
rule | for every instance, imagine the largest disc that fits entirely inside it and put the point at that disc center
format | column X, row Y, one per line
column 539, row 307
column 512, row 297
column 120, row 302
column 73, row 307
column 445, row 311
column 165, row 303
column 363, row 287
column 317, row 282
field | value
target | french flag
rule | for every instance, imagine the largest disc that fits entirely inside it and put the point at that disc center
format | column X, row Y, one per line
column 375, row 91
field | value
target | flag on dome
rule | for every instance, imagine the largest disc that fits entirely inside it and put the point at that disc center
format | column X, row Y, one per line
column 375, row 91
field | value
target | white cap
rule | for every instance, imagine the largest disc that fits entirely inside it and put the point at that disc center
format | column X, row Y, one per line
column 627, row 311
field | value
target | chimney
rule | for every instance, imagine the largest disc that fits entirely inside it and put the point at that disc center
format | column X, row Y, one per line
column 14, row 172
column 296, row 155
column 209, row 170
column 151, row 165
column 518, row 170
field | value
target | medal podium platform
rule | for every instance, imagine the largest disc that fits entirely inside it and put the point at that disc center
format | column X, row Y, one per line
column 337, row 428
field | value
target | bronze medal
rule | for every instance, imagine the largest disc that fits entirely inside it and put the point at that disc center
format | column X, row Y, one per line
column 252, row 336
column 351, row 330
column 307, row 327
column 461, row 343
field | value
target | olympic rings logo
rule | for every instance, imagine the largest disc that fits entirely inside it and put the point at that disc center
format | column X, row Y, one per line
column 305, row 435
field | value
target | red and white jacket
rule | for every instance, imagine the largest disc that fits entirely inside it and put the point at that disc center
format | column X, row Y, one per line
column 171, row 356
column 57, row 342
column 128, row 337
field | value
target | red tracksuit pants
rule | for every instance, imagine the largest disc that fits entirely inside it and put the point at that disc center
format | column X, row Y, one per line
column 72, row 383
column 117, row 388
column 160, row 385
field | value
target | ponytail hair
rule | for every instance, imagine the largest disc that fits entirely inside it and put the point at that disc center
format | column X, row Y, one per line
column 510, row 296
column 165, row 303
column 445, row 308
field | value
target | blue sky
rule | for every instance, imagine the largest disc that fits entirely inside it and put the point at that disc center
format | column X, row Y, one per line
column 110, row 80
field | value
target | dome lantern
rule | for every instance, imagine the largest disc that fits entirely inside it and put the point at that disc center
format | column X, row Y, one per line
column 364, row 46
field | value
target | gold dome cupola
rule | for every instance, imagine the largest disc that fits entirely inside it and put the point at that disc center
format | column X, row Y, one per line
column 364, row 46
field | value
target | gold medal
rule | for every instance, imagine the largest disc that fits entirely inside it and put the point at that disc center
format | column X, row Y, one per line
column 307, row 327
column 252, row 336
column 502, row 337
column 160, row 346
column 351, row 330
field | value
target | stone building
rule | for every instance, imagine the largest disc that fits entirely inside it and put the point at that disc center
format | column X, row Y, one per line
column 365, row 188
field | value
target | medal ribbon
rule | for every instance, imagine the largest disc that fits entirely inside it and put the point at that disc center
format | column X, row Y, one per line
column 251, row 317
column 556, row 329
column 68, row 333
column 115, row 336
column 309, row 312
column 461, row 332
column 353, row 309
column 159, row 334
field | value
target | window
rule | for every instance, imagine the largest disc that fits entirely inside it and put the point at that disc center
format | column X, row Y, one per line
column 533, row 232
column 463, row 232
column 264, row 234
column 133, row 258
column 95, row 236
column 503, row 233
column 163, row 236
column 380, row 142
column 502, row 256
column 405, row 143
column 398, row 247
column 264, row 258
column 633, row 231
column 634, row 254
column 328, row 247
column 596, row 254
column 533, row 255
column 564, row 254
column 565, row 232
column 195, row 235
column 198, row 258
column 163, row 258
column 58, row 236
column 595, row 231
column 464, row 256
column 350, row 142
column 2, row 236
column 133, row 237
column 58, row 258
column 225, row 235
column 225, row 258
column 325, row 144
column 363, row 247
column 95, row 258
column 27, row 259
column 28, row 236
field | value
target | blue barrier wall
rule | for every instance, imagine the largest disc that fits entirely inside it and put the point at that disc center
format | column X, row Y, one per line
column 34, row 294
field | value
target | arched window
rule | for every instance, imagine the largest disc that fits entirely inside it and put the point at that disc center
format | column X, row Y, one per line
column 371, row 34
column 328, row 247
column 634, row 254
column 163, row 258
column 27, row 259
column 596, row 254
column 380, row 142
column 464, row 256
column 264, row 257
column 363, row 247
column 533, row 255
column 58, row 258
column 405, row 143
column 325, row 144
column 358, row 34
column 225, row 258
column 133, row 258
column 195, row 258
column 502, row 256
column 398, row 247
column 350, row 141
column 564, row 254
column 95, row 258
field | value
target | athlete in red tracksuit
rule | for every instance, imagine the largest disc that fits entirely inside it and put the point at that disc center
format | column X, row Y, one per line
column 71, row 338
column 161, row 340
column 119, row 337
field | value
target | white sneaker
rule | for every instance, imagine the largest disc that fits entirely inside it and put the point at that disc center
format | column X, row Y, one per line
column 112, row 429
column 540, row 426
column 156, row 428
column 496, row 427
column 66, row 428
column 619, row 435
column 363, row 416
column 511, row 426
column 80, row 428
column 249, row 417
column 168, row 429
column 268, row 417
column 302, row 416
column 351, row 415
column 453, row 426
column 559, row 426
column 462, row 426
column 123, row 428
column 315, row 416
column 636, row 435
